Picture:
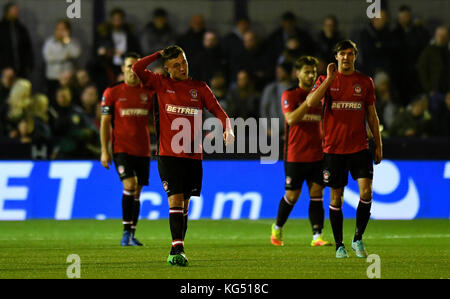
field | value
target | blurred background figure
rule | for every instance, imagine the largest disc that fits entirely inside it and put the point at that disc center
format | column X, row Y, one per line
column 19, row 103
column 441, row 117
column 192, row 40
column 16, row 49
column 61, row 52
column 434, row 63
column 414, row 121
column 208, row 60
column 376, row 46
column 7, row 81
column 386, row 103
column 243, row 98
column 327, row 38
column 270, row 106
column 158, row 33
column 410, row 39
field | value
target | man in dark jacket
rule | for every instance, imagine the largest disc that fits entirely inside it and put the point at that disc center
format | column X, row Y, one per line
column 15, row 44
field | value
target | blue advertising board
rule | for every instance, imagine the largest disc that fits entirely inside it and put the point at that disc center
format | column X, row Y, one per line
column 231, row 189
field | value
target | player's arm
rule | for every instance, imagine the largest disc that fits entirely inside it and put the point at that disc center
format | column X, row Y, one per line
column 296, row 116
column 374, row 125
column 105, row 133
column 214, row 107
column 315, row 96
column 147, row 77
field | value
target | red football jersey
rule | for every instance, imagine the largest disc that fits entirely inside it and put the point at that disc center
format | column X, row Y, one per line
column 346, row 102
column 130, row 108
column 303, row 139
column 180, row 103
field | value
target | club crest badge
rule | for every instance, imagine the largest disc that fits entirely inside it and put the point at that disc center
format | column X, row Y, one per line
column 194, row 94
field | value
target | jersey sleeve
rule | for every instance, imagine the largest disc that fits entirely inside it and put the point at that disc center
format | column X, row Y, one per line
column 287, row 102
column 148, row 78
column 107, row 102
column 319, row 81
column 214, row 107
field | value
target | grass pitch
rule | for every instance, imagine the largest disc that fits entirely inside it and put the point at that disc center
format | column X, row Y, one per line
column 228, row 249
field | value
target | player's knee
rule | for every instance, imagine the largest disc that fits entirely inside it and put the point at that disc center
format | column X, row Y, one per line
column 366, row 194
column 292, row 196
column 130, row 184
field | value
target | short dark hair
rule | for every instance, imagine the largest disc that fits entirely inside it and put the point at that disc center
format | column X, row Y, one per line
column 131, row 55
column 344, row 45
column 404, row 7
column 117, row 10
column 171, row 52
column 160, row 12
column 288, row 16
column 66, row 23
column 7, row 7
column 306, row 60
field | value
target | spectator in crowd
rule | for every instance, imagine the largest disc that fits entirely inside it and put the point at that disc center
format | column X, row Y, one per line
column 38, row 120
column 434, row 63
column 19, row 101
column 411, row 38
column 16, row 49
column 158, row 33
column 89, row 101
column 233, row 44
column 253, row 59
column 117, row 36
column 292, row 51
column 385, row 104
column 82, row 79
column 208, row 60
column 327, row 38
column 60, row 53
column 101, row 68
column 414, row 120
column 219, row 87
column 270, row 106
column 72, row 135
column 7, row 81
column 376, row 45
column 192, row 41
column 441, row 117
column 243, row 98
column 276, row 41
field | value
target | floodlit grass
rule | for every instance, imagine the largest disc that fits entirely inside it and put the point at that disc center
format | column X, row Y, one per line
column 229, row 249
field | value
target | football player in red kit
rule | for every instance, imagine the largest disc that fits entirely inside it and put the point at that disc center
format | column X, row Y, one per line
column 303, row 156
column 126, row 108
column 179, row 104
column 348, row 100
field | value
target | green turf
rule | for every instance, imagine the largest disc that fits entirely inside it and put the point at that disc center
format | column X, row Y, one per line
column 220, row 249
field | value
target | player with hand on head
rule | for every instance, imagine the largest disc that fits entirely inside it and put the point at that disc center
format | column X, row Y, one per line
column 179, row 103
column 303, row 153
column 126, row 109
column 348, row 101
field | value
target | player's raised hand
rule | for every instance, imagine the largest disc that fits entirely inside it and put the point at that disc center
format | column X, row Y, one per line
column 228, row 136
column 105, row 159
column 332, row 70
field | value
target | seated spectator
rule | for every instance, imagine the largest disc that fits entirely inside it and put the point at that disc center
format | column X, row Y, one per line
column 327, row 38
column 208, row 60
column 19, row 101
column 89, row 101
column 158, row 33
column 441, row 117
column 386, row 103
column 101, row 68
column 415, row 120
column 192, row 40
column 82, row 80
column 16, row 49
column 291, row 52
column 243, row 98
column 40, row 115
column 72, row 135
column 434, row 63
column 219, row 87
column 411, row 38
column 60, row 53
column 270, row 106
column 117, row 36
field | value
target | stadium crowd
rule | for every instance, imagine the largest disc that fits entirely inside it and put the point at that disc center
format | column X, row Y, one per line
column 410, row 67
